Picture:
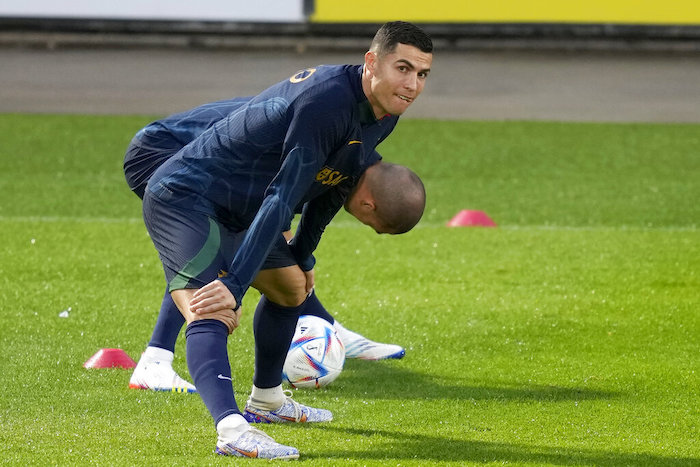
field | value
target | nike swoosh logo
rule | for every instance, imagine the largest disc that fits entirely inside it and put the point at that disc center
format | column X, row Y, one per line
column 292, row 419
column 302, row 419
column 354, row 141
column 253, row 453
column 220, row 376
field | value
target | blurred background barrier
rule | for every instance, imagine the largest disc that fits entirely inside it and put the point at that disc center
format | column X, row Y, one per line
column 330, row 24
column 511, row 11
column 285, row 11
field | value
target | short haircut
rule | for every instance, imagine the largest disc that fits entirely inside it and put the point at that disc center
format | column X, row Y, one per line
column 400, row 32
column 399, row 196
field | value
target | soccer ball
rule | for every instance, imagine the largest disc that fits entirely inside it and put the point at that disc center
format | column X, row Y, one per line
column 316, row 354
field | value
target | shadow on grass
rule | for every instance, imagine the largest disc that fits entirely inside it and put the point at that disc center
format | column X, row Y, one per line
column 384, row 380
column 397, row 446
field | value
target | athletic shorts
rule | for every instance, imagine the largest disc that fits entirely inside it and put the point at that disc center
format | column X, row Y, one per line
column 146, row 152
column 195, row 249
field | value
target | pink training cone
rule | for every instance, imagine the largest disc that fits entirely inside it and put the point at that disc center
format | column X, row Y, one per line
column 467, row 218
column 110, row 358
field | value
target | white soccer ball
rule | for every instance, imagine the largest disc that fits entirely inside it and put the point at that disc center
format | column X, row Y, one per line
column 316, row 354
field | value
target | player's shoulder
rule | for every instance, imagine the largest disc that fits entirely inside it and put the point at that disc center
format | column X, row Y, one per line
column 321, row 73
column 332, row 84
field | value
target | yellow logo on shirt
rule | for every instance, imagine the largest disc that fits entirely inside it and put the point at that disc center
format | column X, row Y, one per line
column 329, row 176
column 301, row 75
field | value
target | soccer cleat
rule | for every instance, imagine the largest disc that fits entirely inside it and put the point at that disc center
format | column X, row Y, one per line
column 357, row 346
column 255, row 443
column 158, row 375
column 290, row 411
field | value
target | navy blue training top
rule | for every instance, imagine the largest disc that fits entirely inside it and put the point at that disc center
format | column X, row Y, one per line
column 300, row 144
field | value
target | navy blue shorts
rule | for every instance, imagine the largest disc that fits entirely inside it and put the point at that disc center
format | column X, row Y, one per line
column 194, row 248
column 146, row 152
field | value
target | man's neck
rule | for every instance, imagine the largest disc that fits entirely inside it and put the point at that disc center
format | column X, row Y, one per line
column 367, row 89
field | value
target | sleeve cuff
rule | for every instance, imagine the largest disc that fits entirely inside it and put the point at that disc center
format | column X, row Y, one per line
column 235, row 289
column 308, row 264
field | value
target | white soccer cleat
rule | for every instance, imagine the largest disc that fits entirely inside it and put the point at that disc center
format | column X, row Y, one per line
column 238, row 439
column 357, row 346
column 290, row 411
column 154, row 371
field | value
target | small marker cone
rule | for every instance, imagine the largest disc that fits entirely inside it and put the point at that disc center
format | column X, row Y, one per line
column 110, row 358
column 467, row 218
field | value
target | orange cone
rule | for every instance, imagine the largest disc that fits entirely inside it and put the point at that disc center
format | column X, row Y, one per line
column 467, row 218
column 110, row 358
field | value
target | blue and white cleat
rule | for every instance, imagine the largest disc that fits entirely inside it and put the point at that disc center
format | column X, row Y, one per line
column 357, row 346
column 255, row 444
column 290, row 412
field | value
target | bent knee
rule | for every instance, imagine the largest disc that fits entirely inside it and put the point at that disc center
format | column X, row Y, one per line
column 229, row 318
column 288, row 297
column 285, row 289
column 289, row 300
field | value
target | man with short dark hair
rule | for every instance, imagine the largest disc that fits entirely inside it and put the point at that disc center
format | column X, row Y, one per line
column 223, row 202
column 153, row 145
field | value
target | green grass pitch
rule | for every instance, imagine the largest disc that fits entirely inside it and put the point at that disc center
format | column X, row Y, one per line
column 568, row 335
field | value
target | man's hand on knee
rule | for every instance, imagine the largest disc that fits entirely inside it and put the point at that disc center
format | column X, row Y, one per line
column 209, row 302
column 310, row 280
column 213, row 297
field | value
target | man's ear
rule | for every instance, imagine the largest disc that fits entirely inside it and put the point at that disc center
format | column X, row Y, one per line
column 368, row 204
column 370, row 62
